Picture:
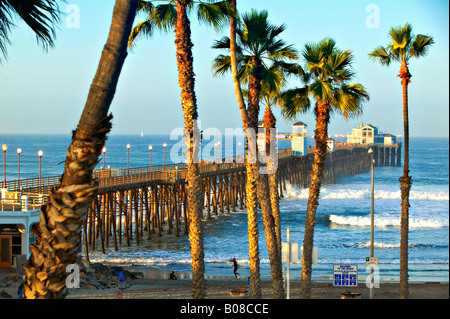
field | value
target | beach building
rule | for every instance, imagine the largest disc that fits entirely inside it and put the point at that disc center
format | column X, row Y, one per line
column 369, row 134
column 363, row 134
column 330, row 144
column 17, row 216
column 387, row 139
column 299, row 142
column 261, row 137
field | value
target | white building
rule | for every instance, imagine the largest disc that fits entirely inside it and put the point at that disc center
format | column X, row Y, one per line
column 368, row 134
column 16, row 220
column 387, row 139
column 363, row 134
column 299, row 142
column 330, row 144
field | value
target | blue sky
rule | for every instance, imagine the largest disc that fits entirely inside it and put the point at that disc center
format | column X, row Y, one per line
column 45, row 92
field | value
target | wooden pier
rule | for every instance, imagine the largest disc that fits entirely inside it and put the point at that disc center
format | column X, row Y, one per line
column 151, row 202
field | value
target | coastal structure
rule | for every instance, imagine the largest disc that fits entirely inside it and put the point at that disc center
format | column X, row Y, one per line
column 369, row 134
column 18, row 214
column 299, row 142
column 139, row 204
column 330, row 144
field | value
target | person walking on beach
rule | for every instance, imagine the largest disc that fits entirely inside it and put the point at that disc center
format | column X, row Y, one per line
column 235, row 266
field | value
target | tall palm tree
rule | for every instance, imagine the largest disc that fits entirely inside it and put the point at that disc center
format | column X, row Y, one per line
column 274, row 80
column 257, row 45
column 58, row 242
column 40, row 15
column 404, row 46
column 174, row 15
column 328, row 74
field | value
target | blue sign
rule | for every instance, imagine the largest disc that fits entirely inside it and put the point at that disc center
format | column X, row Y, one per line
column 345, row 275
column 121, row 276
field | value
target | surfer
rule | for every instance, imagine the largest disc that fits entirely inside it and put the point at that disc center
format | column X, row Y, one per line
column 235, row 267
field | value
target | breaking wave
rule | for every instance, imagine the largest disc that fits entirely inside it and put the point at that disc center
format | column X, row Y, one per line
column 387, row 221
column 303, row 193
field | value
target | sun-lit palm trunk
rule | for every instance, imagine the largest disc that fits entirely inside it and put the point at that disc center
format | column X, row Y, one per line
column 405, row 186
column 320, row 152
column 254, row 89
column 270, row 124
column 58, row 242
column 250, row 186
column 186, row 81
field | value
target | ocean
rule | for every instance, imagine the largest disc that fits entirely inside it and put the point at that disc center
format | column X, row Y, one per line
column 342, row 233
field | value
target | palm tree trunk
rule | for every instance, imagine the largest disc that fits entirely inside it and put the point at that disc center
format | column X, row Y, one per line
column 250, row 186
column 405, row 186
column 320, row 152
column 276, row 269
column 273, row 223
column 251, row 202
column 186, row 81
column 58, row 233
column 270, row 123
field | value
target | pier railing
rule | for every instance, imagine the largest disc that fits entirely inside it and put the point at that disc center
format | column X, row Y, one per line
column 16, row 202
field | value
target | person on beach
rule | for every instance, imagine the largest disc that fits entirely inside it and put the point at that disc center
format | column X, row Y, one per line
column 235, row 268
column 20, row 290
column 172, row 276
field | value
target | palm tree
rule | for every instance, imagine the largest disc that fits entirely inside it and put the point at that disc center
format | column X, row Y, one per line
column 174, row 15
column 404, row 46
column 273, row 82
column 256, row 44
column 327, row 77
column 58, row 233
column 40, row 15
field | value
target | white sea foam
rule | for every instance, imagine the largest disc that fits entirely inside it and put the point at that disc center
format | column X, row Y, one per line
column 388, row 221
column 347, row 193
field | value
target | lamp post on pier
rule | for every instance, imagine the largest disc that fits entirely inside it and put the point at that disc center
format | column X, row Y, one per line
column 4, row 148
column 240, row 157
column 40, row 153
column 165, row 145
column 19, row 150
column 371, row 219
column 104, row 151
column 128, row 159
column 150, row 150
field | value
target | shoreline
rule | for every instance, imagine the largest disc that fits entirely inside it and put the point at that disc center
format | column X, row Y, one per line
column 155, row 284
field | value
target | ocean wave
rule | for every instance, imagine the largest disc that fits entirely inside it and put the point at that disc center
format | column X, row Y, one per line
column 303, row 193
column 379, row 245
column 387, row 221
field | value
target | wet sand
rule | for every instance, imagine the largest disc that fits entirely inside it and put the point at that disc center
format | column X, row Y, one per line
column 156, row 285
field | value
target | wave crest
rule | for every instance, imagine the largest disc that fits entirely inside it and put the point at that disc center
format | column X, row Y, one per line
column 387, row 221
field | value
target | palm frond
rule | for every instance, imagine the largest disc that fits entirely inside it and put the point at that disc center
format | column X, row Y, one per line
column 142, row 29
column 293, row 102
column 321, row 90
column 349, row 100
column 164, row 17
column 221, row 65
column 421, row 45
column 401, row 40
column 223, row 43
column 211, row 14
column 42, row 16
column 382, row 55
column 145, row 7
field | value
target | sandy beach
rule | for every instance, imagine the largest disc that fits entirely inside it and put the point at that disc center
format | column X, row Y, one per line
column 220, row 289
column 156, row 285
